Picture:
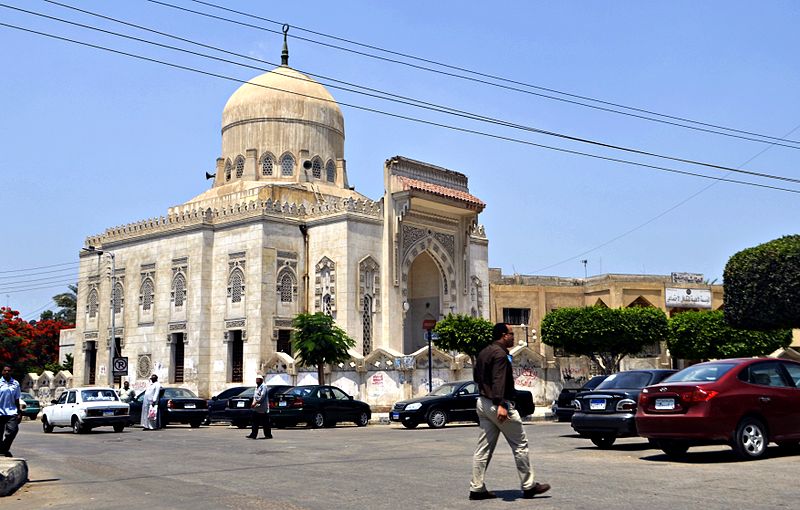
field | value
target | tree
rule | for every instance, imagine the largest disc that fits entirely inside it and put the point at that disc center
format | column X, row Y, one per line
column 68, row 304
column 706, row 335
column 463, row 333
column 762, row 286
column 317, row 341
column 15, row 341
column 605, row 335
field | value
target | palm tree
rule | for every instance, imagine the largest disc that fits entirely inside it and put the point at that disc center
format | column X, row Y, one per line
column 68, row 302
column 317, row 341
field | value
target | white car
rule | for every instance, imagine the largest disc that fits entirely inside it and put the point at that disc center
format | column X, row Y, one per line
column 86, row 408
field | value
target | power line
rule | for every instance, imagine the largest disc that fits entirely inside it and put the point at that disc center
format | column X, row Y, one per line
column 37, row 273
column 410, row 119
column 40, row 267
column 656, row 217
column 485, row 75
column 403, row 100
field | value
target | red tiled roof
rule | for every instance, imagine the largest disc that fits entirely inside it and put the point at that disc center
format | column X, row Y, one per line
column 442, row 191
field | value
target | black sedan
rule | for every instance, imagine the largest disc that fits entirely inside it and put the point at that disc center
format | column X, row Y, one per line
column 563, row 408
column 450, row 402
column 218, row 404
column 608, row 411
column 175, row 405
column 317, row 406
column 239, row 412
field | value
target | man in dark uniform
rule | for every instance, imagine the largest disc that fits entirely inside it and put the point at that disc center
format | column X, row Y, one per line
column 497, row 413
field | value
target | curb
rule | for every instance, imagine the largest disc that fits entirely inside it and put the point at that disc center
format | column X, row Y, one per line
column 13, row 475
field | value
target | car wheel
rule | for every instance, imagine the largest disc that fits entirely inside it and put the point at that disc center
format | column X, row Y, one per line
column 119, row 427
column 207, row 421
column 195, row 424
column 76, row 426
column 317, row 420
column 46, row 427
column 362, row 419
column 437, row 419
column 603, row 440
column 750, row 441
column 673, row 448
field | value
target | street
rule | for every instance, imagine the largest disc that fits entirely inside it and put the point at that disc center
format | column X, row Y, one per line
column 380, row 466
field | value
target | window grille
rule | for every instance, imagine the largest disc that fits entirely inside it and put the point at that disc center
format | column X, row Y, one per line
column 146, row 298
column 119, row 297
column 316, row 168
column 287, row 165
column 239, row 166
column 179, row 290
column 366, row 317
column 228, row 170
column 330, row 169
column 236, row 286
column 267, row 166
column 286, row 288
column 91, row 304
column 516, row 316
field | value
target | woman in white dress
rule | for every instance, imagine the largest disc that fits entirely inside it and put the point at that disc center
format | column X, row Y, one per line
column 150, row 398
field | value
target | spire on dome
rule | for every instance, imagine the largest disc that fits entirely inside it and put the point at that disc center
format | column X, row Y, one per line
column 285, row 52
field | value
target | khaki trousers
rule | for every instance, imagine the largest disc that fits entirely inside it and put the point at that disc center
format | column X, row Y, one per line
column 491, row 428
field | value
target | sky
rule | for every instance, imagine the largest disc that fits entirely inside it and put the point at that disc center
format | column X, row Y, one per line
column 92, row 139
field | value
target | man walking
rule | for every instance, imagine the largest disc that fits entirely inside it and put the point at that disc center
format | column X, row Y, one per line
column 150, row 401
column 260, row 408
column 497, row 413
column 10, row 411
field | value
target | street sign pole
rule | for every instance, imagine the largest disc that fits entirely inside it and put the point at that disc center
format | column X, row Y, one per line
column 430, row 362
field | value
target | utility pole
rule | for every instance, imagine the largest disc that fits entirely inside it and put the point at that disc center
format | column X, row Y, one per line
column 585, row 273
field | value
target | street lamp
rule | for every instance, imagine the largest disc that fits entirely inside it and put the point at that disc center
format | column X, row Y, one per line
column 112, row 339
column 525, row 327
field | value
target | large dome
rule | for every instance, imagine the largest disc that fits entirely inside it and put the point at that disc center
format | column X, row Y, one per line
column 283, row 93
column 279, row 125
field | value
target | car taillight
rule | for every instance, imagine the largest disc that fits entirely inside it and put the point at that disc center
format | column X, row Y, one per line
column 626, row 404
column 170, row 404
column 644, row 397
column 298, row 402
column 698, row 394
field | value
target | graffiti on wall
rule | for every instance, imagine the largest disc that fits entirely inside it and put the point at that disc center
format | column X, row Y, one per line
column 574, row 375
column 525, row 375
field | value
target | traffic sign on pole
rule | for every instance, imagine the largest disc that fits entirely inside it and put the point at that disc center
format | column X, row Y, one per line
column 120, row 365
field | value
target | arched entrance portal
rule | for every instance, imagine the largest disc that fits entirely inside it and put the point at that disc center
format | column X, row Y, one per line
column 424, row 300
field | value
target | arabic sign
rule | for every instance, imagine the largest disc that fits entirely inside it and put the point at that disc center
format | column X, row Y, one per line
column 688, row 298
column 687, row 277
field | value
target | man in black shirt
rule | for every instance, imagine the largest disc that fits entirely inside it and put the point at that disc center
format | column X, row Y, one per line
column 497, row 414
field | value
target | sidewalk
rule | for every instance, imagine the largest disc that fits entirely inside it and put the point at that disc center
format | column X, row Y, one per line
column 542, row 413
column 13, row 474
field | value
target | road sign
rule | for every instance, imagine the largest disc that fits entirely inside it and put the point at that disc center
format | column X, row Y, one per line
column 428, row 324
column 120, row 365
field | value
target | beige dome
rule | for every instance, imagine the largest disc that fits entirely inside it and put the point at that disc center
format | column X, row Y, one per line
column 284, row 94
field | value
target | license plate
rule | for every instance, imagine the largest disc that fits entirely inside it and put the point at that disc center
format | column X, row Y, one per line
column 665, row 404
column 189, row 406
column 597, row 404
column 395, row 416
column 282, row 403
column 239, row 404
column 108, row 413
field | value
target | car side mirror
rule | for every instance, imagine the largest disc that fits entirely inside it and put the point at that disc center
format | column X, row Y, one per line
column 215, row 397
column 462, row 392
column 54, row 401
column 350, row 397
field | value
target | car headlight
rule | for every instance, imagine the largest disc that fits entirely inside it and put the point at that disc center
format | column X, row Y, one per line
column 576, row 404
column 413, row 407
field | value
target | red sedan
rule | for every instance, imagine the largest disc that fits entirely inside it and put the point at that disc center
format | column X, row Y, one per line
column 746, row 403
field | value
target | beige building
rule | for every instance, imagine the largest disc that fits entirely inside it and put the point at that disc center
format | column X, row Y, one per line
column 524, row 300
column 204, row 296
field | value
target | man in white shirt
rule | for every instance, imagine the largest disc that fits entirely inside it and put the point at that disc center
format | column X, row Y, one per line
column 10, row 411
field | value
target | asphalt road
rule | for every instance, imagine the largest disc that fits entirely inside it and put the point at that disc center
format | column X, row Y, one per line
column 377, row 467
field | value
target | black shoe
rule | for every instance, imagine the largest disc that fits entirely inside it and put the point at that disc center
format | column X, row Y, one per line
column 482, row 495
column 268, row 437
column 8, row 454
column 538, row 488
column 251, row 437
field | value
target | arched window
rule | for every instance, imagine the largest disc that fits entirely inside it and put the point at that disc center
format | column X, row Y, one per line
column 119, row 297
column 239, row 166
column 236, row 286
column 316, row 168
column 330, row 170
column 91, row 304
column 146, row 295
column 285, row 287
column 179, row 290
column 366, row 319
column 287, row 165
column 267, row 165
column 228, row 170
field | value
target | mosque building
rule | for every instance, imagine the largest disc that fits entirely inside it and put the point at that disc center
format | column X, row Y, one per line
column 205, row 295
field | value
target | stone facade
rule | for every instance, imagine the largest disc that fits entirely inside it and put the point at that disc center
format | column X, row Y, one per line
column 205, row 295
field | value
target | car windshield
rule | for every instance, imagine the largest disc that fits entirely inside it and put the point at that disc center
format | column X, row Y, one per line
column 594, row 382
column 701, row 373
column 444, row 389
column 248, row 393
column 97, row 395
column 625, row 380
column 178, row 393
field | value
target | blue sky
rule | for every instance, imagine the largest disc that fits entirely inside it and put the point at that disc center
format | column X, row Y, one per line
column 93, row 140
